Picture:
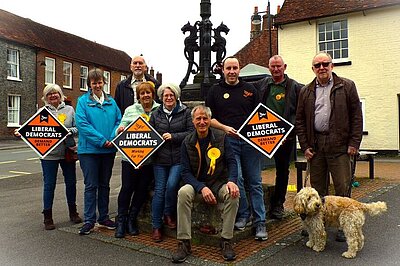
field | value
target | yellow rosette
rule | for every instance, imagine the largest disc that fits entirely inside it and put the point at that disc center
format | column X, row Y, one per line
column 213, row 154
column 62, row 118
column 280, row 96
column 145, row 116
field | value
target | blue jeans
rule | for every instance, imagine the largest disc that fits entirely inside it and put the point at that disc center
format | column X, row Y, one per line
column 97, row 170
column 249, row 179
column 166, row 185
column 50, row 170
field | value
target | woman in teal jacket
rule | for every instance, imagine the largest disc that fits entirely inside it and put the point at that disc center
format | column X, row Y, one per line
column 97, row 117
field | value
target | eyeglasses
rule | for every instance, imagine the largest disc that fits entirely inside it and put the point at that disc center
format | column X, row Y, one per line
column 324, row 64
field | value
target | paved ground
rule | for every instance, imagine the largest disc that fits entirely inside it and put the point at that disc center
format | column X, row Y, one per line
column 281, row 233
column 249, row 251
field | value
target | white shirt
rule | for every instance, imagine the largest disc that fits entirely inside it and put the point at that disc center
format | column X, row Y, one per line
column 134, row 84
column 97, row 99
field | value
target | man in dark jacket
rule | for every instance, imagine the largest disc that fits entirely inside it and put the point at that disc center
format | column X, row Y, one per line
column 209, row 171
column 125, row 93
column 329, row 126
column 279, row 93
column 232, row 101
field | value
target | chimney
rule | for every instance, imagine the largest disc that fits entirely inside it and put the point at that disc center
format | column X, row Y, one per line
column 159, row 77
column 265, row 20
column 152, row 72
column 255, row 28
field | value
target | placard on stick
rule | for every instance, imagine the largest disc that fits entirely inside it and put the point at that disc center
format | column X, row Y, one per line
column 265, row 130
column 43, row 132
column 138, row 141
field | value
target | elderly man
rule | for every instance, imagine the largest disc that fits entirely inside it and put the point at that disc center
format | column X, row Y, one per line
column 125, row 93
column 232, row 101
column 279, row 93
column 329, row 127
column 209, row 171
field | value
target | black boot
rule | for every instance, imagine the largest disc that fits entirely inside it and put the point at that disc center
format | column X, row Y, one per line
column 121, row 226
column 73, row 214
column 48, row 220
column 133, row 229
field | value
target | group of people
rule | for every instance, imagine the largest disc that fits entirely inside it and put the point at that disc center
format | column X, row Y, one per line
column 203, row 157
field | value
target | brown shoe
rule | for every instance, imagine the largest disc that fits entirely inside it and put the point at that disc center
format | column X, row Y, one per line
column 48, row 220
column 182, row 252
column 73, row 214
column 157, row 235
column 170, row 222
column 227, row 250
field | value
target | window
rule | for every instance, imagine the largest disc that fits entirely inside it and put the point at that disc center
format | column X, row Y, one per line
column 14, row 109
column 50, row 71
column 83, row 78
column 13, row 64
column 108, row 82
column 67, row 71
column 333, row 38
column 123, row 77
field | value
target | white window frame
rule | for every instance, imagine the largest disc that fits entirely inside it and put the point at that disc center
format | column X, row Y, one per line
column 14, row 106
column 50, row 70
column 67, row 83
column 13, row 64
column 107, row 85
column 333, row 38
column 83, row 78
column 123, row 77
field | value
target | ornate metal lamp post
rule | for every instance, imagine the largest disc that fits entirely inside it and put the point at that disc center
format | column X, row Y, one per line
column 200, row 40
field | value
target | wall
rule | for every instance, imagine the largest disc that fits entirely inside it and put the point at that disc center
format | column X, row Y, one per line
column 26, row 88
column 75, row 91
column 374, row 53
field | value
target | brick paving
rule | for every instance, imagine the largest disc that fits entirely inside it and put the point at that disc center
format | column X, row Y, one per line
column 386, row 174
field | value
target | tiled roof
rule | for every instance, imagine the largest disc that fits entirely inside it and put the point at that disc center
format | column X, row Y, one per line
column 300, row 10
column 28, row 32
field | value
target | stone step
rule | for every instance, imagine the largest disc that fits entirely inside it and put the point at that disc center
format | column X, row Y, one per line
column 206, row 218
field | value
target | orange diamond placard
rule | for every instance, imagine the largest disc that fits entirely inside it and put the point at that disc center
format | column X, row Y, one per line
column 138, row 141
column 43, row 132
column 265, row 130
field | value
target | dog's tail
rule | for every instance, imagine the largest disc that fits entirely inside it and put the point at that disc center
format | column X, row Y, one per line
column 375, row 208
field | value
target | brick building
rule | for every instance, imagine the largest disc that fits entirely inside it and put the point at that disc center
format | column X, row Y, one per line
column 257, row 51
column 35, row 55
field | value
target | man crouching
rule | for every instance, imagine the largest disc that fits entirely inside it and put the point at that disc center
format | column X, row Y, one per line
column 209, row 172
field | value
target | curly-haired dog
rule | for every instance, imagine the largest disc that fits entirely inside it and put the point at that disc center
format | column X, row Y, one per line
column 342, row 212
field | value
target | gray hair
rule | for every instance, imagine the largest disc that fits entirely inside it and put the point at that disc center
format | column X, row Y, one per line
column 276, row 57
column 202, row 107
column 52, row 88
column 320, row 53
column 172, row 86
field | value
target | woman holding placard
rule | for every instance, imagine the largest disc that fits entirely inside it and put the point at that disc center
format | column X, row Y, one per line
column 53, row 99
column 135, row 182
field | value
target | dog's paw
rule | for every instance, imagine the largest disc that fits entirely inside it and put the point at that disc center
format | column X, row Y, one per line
column 349, row 255
column 310, row 244
column 318, row 248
